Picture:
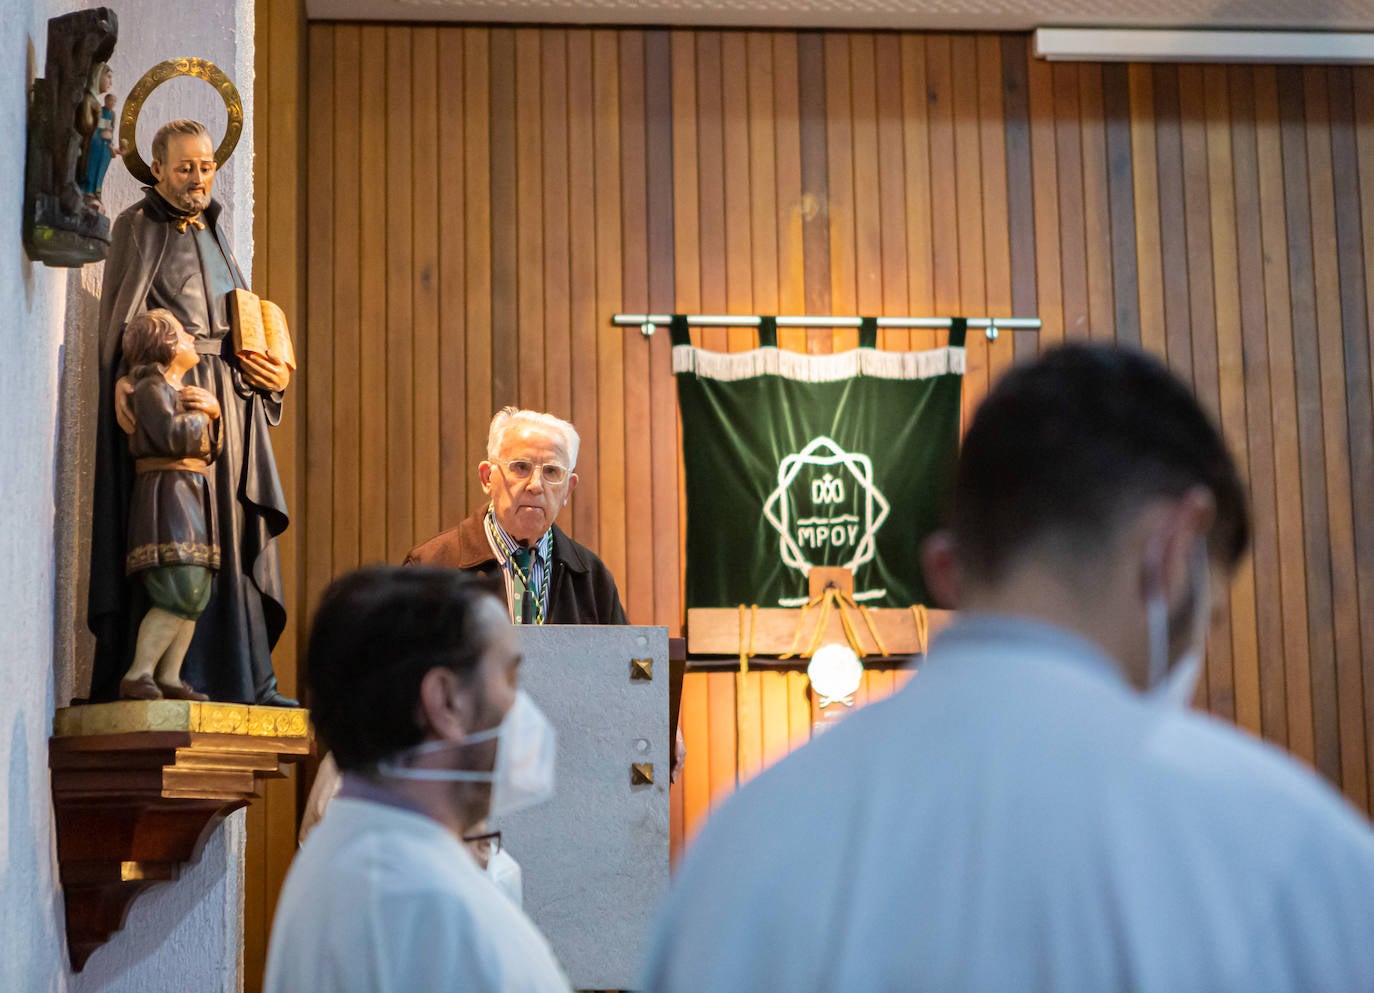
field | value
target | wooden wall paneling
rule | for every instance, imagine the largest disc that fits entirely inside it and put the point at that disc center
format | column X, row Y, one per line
column 427, row 363
column 868, row 205
column 481, row 394
column 1097, row 234
column 528, row 315
column 587, row 320
column 1116, row 111
column 891, row 187
column 787, row 179
column 1173, row 223
column 1311, row 481
column 710, row 149
column 279, row 273
column 992, row 150
column 456, row 464
column 373, row 339
column 609, row 346
column 637, row 582
column 1359, row 374
column 1215, row 690
column 398, row 321
column 317, row 525
column 839, row 134
column 968, row 184
column 504, row 219
column 1073, row 264
column 943, row 192
column 1283, row 411
column 1020, row 195
column 815, row 178
column 736, row 72
column 664, row 449
column 347, row 214
column 557, row 315
column 1341, row 462
column 254, row 863
column 763, row 193
column 721, row 766
column 1045, row 189
column 694, row 786
column 734, row 111
column 1264, row 555
column 1145, row 177
column 767, row 214
column 1243, row 650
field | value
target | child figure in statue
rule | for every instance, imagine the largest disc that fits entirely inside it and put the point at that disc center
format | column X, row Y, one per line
column 173, row 437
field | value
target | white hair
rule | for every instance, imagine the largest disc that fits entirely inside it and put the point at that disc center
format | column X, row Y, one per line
column 510, row 417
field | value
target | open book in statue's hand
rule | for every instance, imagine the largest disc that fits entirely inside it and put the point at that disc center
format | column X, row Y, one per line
column 259, row 328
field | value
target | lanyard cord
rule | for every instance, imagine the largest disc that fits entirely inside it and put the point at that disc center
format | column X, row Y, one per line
column 525, row 577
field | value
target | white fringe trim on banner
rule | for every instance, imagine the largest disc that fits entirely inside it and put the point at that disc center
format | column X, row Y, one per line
column 730, row 366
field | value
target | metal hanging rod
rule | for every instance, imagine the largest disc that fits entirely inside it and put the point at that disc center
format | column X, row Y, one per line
column 647, row 323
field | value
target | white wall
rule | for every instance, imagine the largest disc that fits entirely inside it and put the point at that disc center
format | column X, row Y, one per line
column 185, row 935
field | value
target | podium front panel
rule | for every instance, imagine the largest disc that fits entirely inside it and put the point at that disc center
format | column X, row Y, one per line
column 594, row 859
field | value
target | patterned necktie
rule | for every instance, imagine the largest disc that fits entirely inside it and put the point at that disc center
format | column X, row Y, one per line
column 520, row 578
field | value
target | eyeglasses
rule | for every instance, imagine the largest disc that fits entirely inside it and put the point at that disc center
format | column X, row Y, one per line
column 549, row 472
column 488, row 844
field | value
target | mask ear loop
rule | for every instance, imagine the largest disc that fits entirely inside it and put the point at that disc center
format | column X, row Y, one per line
column 397, row 769
column 1156, row 612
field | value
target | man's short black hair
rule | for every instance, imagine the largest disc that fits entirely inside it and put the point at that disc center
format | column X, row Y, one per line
column 375, row 634
column 1065, row 447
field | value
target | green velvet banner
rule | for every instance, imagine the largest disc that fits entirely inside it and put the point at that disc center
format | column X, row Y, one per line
column 795, row 461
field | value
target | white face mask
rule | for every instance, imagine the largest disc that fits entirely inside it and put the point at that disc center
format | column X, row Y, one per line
column 505, row 873
column 525, row 753
column 1175, row 686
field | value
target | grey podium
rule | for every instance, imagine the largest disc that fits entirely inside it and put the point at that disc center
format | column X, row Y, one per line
column 595, row 858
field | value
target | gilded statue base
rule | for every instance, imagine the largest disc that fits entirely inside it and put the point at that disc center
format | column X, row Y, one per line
column 138, row 787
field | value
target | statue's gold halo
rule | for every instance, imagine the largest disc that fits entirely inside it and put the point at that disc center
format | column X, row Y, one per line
column 155, row 77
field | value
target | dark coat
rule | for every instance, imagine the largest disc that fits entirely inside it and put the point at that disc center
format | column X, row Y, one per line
column 581, row 588
column 230, row 656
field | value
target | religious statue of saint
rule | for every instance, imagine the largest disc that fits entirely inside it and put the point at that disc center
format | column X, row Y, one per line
column 96, row 120
column 168, row 252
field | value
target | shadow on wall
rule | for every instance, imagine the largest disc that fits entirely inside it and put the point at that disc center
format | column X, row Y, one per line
column 73, row 644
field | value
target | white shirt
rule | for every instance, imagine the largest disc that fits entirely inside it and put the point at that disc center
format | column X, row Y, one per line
column 1018, row 819
column 385, row 900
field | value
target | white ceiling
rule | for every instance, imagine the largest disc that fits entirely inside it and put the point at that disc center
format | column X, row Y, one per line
column 980, row 15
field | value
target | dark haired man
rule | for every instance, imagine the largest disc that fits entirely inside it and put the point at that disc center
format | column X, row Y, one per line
column 169, row 251
column 1035, row 811
column 412, row 675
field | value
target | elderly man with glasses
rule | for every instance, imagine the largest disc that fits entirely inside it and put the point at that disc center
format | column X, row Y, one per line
column 548, row 577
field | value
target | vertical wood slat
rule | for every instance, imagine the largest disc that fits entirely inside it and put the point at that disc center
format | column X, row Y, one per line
column 478, row 281
column 449, row 294
column 860, row 172
column 398, row 314
column 426, row 163
column 638, row 576
column 372, row 315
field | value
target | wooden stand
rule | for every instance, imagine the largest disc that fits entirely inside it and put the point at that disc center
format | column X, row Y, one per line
column 139, row 786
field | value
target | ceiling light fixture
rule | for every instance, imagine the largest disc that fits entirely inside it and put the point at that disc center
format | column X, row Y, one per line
column 1149, row 45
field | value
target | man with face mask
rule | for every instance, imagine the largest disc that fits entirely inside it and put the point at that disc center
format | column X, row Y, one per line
column 1036, row 811
column 412, row 677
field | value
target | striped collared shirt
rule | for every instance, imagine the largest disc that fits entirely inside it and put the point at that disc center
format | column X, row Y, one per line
column 541, row 561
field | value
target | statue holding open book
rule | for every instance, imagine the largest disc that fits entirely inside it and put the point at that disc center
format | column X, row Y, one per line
column 168, row 252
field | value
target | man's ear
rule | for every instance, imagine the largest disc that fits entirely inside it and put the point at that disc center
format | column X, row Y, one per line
column 1169, row 552
column 572, row 485
column 444, row 708
column 158, row 170
column 940, row 564
column 484, row 476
